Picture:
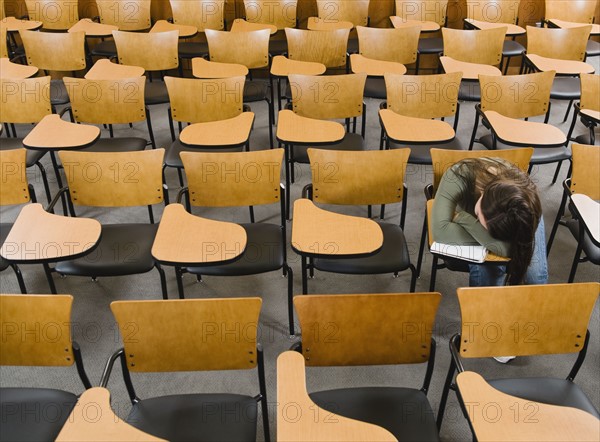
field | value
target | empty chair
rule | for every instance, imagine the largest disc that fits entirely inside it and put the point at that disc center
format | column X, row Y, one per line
column 203, row 15
column 573, row 12
column 55, row 15
column 588, row 108
column 281, row 14
column 339, row 14
column 326, row 47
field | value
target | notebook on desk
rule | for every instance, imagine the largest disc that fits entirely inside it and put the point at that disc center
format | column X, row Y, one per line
column 469, row 253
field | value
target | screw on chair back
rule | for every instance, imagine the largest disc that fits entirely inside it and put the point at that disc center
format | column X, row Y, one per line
column 55, row 51
column 397, row 45
column 155, row 51
column 326, row 47
column 129, row 15
column 203, row 14
column 250, row 49
column 482, row 46
column 561, row 44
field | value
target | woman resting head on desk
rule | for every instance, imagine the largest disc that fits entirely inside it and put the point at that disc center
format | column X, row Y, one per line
column 491, row 202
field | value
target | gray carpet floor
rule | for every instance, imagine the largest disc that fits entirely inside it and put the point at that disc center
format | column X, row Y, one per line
column 96, row 332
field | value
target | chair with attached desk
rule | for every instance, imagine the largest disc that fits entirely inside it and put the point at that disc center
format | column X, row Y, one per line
column 281, row 14
column 383, row 51
column 588, row 108
column 340, row 178
column 525, row 321
column 407, row 119
column 328, row 47
column 55, row 15
column 256, row 183
column 115, row 179
column 36, row 331
column 442, row 160
column 505, row 102
column 364, row 329
column 339, row 14
column 573, row 13
column 430, row 16
column 192, row 335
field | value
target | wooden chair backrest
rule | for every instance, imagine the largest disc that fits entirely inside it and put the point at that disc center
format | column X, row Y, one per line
column 517, row 96
column 14, row 187
column 189, row 334
column 326, row 47
column 2, row 12
column 444, row 159
column 214, row 99
column 423, row 96
column 525, row 320
column 494, row 11
column 562, row 44
column 155, row 51
column 373, row 329
column 55, row 51
column 482, row 46
column 590, row 91
column 3, row 46
column 227, row 179
column 203, row 14
column 107, row 101
column 250, row 49
column 358, row 178
column 578, row 11
column 398, row 45
column 355, row 11
column 586, row 168
column 55, row 15
column 328, row 97
column 114, row 179
column 281, row 13
column 128, row 15
column 424, row 10
column 26, row 100
column 36, row 330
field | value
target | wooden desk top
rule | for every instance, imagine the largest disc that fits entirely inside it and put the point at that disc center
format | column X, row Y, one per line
column 241, row 25
column 426, row 26
column 13, row 24
column 318, row 232
column 417, row 130
column 470, row 71
column 93, row 29
column 104, row 69
column 93, row 419
column 202, row 68
column 52, row 133
column 316, row 24
column 589, row 210
column 593, row 114
column 39, row 236
column 510, row 28
column 294, row 129
column 231, row 132
column 283, row 66
column 565, row 67
column 299, row 418
column 530, row 133
column 569, row 24
column 185, row 31
column 497, row 416
column 375, row 68
column 184, row 239
column 15, row 71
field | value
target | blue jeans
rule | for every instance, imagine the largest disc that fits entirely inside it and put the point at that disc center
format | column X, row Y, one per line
column 494, row 275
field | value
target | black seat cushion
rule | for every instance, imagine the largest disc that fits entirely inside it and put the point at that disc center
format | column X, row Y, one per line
column 351, row 141
column 31, row 157
column 393, row 256
column 375, row 88
column 541, row 155
column 433, row 45
column 192, row 49
column 420, row 154
column 156, row 92
column 566, row 88
column 106, row 48
column 197, row 417
column 255, row 91
column 4, row 231
column 172, row 158
column 124, row 144
column 404, row 412
column 591, row 250
column 469, row 91
column 548, row 391
column 34, row 414
column 278, row 47
column 583, row 139
column 58, row 93
column 124, row 249
column 264, row 253
column 592, row 49
column 512, row 48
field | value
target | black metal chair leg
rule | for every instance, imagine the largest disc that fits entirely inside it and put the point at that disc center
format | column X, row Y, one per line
column 568, row 110
column 556, row 172
column 179, row 278
column 445, row 392
column 44, row 181
column 434, row 265
column 413, row 278
column 163, row 281
column 422, row 245
column 20, row 280
column 291, row 300
column 48, row 272
column 304, row 276
column 575, row 260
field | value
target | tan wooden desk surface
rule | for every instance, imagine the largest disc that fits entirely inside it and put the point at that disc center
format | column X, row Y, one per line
column 185, row 31
column 104, row 69
column 410, row 129
column 202, row 68
column 283, row 66
column 318, row 232
column 93, row 419
column 39, row 236
column 295, row 129
column 93, row 29
column 517, row 131
column 569, row 24
column 426, row 26
column 470, row 71
column 184, row 239
column 510, row 28
column 13, row 24
column 52, row 133
column 241, row 25
column 317, row 24
column 15, row 71
column 231, row 132
column 593, row 114
column 497, row 416
column 375, row 68
column 590, row 213
column 565, row 67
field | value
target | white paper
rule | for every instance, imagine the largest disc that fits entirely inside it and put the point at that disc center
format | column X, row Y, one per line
column 468, row 253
